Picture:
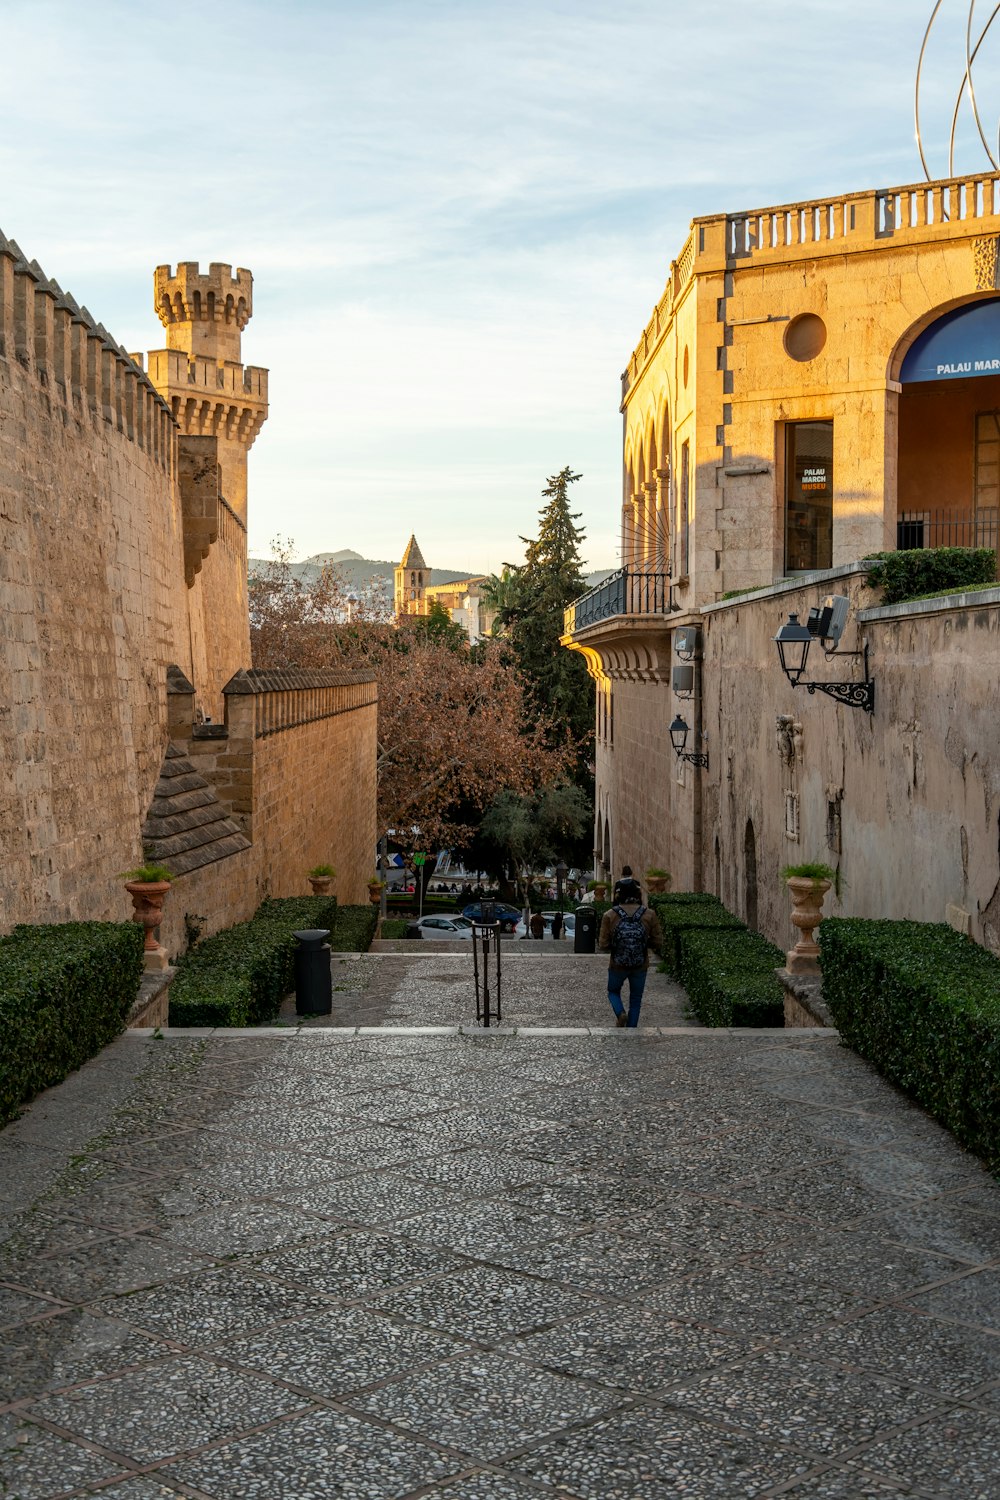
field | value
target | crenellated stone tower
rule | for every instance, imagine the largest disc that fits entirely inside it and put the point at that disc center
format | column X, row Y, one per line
column 201, row 374
column 219, row 406
column 411, row 579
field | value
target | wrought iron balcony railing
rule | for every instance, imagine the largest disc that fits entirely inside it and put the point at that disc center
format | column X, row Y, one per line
column 946, row 528
column 627, row 592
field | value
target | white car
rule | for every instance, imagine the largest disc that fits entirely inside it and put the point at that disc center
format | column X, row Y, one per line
column 445, row 927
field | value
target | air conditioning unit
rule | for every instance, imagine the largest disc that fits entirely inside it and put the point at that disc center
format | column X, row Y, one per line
column 683, row 682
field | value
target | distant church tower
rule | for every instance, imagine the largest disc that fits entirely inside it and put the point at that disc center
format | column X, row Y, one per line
column 411, row 578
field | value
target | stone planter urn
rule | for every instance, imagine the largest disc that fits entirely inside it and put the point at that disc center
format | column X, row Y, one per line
column 656, row 885
column 600, row 889
column 807, row 913
column 374, row 891
column 320, row 884
column 147, row 908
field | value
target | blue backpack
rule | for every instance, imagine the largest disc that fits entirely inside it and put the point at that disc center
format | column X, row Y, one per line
column 630, row 941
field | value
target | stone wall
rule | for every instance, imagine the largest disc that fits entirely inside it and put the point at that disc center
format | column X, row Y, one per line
column 122, row 569
column 93, row 603
column 906, row 802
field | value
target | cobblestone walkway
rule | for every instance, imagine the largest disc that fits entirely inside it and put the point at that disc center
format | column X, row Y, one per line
column 539, row 987
column 314, row 1264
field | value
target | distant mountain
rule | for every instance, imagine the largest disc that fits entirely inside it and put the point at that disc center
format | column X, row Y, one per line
column 359, row 570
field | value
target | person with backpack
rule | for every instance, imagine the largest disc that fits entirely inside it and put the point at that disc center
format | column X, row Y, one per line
column 628, row 931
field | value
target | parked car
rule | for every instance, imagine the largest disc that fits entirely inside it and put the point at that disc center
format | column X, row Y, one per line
column 507, row 916
column 444, row 927
column 569, row 925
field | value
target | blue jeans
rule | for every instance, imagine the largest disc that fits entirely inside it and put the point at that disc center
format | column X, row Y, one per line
column 636, row 984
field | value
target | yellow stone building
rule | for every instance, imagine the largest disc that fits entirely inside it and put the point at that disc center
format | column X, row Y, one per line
column 817, row 382
column 413, row 594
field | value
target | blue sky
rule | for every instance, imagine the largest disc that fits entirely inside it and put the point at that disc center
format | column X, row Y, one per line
column 458, row 215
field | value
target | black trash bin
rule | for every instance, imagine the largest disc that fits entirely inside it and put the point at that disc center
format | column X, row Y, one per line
column 313, row 978
column 585, row 935
column 414, row 930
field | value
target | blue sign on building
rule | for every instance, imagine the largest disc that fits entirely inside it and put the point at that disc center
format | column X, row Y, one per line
column 963, row 344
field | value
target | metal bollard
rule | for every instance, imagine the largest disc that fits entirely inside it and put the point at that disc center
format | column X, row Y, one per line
column 313, row 978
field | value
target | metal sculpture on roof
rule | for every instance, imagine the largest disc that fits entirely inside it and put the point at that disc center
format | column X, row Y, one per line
column 974, row 39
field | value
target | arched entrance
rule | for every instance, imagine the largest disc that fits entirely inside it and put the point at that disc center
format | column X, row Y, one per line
column 948, row 461
column 750, row 877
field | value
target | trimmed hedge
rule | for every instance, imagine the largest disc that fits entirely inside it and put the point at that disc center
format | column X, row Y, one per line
column 927, row 570
column 729, row 976
column 686, row 912
column 65, row 992
column 240, row 976
column 394, row 927
column 922, row 1002
column 354, row 928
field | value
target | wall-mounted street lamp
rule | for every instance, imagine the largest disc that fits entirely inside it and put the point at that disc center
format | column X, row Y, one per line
column 793, row 642
column 678, row 738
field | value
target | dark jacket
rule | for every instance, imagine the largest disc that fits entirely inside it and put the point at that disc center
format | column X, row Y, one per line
column 650, row 921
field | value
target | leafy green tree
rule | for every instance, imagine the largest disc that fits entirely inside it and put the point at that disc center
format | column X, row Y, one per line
column 531, row 600
column 536, row 831
column 437, row 625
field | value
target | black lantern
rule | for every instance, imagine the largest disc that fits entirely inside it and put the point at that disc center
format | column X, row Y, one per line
column 793, row 641
column 678, row 738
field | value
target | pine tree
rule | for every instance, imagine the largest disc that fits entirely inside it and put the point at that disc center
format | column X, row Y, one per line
column 549, row 579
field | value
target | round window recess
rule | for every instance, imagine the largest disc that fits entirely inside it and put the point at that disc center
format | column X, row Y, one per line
column 805, row 337
column 687, row 361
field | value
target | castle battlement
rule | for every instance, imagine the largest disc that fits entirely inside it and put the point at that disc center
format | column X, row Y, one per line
column 204, row 312
column 75, row 359
column 211, row 398
column 175, row 368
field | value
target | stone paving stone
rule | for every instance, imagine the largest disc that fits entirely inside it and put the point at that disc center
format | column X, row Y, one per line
column 357, row 1263
column 859, row 1263
column 138, row 1489
column 944, row 1358
column 203, row 1309
column 149, row 1415
column 647, row 1455
column 75, row 1346
column 488, row 1231
column 238, row 1228
column 484, row 1304
column 985, row 1199
column 484, row 1405
column 944, row 1225
column 35, row 1464
column 956, row 1454
column 779, row 1395
column 632, row 1349
column 600, row 1262
column 836, row 1483
column 109, row 1267
column 17, row 1307
column 974, row 1299
column 829, row 1198
column 371, row 1198
column 743, row 1299
column 912, row 1175
column 483, row 1171
column 487, row 1487
column 340, row 1351
column 308, row 1456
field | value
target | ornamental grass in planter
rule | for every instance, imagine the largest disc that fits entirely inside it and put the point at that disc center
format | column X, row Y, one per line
column 808, row 884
